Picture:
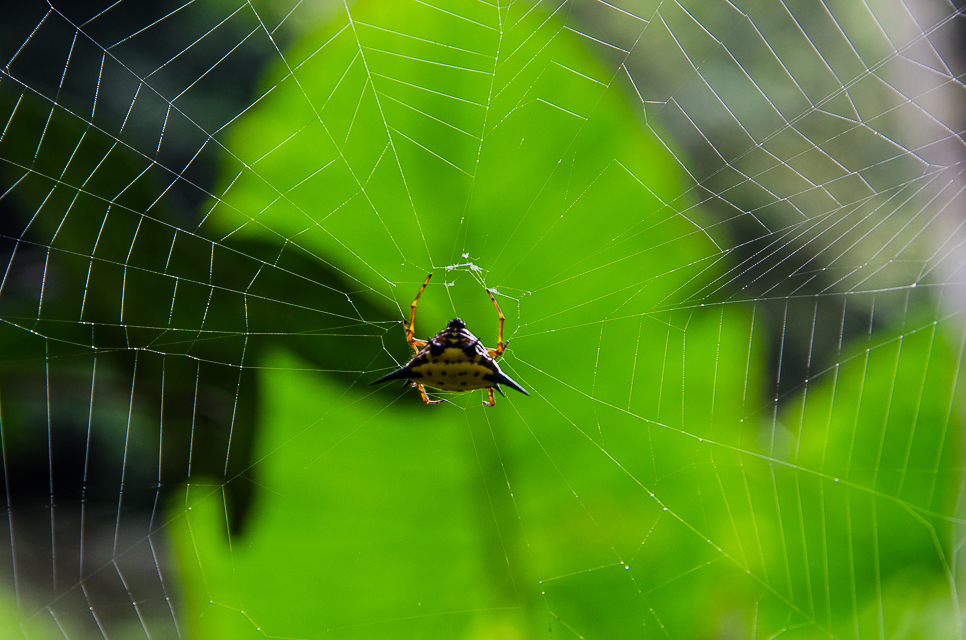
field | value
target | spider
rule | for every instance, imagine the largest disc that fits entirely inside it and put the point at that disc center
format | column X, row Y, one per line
column 453, row 360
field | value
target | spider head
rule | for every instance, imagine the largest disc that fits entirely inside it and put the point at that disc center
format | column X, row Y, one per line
column 456, row 324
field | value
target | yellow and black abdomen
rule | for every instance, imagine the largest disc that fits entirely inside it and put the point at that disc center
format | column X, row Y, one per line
column 452, row 369
column 453, row 360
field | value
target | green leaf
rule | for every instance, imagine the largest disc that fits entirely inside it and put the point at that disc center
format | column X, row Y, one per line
column 643, row 480
column 406, row 139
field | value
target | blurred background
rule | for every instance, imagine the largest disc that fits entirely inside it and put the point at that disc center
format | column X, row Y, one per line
column 727, row 238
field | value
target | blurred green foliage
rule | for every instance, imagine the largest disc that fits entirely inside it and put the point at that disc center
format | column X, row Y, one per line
column 657, row 482
column 646, row 487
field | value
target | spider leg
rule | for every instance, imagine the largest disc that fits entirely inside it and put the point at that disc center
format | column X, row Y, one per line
column 492, row 399
column 410, row 331
column 500, row 346
column 493, row 352
column 422, row 391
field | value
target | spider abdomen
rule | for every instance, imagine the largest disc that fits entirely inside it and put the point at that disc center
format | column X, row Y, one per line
column 452, row 369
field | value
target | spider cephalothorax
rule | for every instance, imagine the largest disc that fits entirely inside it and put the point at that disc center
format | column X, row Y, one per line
column 453, row 360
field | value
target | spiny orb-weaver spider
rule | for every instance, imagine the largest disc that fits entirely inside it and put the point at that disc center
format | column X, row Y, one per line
column 453, row 360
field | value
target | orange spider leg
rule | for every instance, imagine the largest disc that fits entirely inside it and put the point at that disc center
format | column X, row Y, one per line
column 422, row 391
column 492, row 399
column 410, row 331
column 500, row 345
column 495, row 353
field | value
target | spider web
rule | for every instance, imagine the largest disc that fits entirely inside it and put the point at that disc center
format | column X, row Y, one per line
column 727, row 238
